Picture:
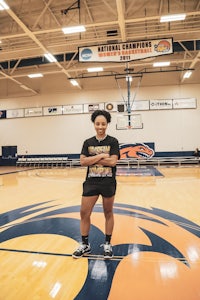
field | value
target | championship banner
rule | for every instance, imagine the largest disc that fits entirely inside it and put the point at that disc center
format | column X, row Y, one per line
column 123, row 52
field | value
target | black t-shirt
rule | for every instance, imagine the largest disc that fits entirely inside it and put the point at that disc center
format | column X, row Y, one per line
column 92, row 147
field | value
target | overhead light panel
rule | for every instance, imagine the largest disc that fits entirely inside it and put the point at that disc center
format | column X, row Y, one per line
column 95, row 69
column 73, row 82
column 162, row 64
column 3, row 5
column 73, row 29
column 187, row 74
column 171, row 18
column 50, row 57
column 36, row 75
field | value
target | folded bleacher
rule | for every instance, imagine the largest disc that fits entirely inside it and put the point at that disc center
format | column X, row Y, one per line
column 61, row 162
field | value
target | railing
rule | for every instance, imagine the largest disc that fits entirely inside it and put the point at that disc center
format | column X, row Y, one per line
column 159, row 161
column 50, row 162
column 42, row 162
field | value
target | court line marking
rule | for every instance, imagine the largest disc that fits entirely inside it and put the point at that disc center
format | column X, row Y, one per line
column 12, row 172
column 88, row 256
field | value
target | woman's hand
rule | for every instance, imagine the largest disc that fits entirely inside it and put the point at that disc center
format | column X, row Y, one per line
column 92, row 160
column 104, row 155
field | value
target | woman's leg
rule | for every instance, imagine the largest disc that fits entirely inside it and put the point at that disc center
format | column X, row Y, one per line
column 87, row 205
column 108, row 213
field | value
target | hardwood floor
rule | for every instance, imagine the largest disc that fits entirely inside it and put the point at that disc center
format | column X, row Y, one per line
column 156, row 238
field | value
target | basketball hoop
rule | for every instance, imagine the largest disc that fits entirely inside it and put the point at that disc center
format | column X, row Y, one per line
column 133, row 121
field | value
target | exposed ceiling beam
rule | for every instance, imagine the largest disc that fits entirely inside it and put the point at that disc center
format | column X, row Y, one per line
column 35, row 29
column 15, row 67
column 42, row 13
column 110, row 67
column 194, row 62
column 91, row 25
column 198, row 5
column 160, row 7
column 18, row 82
column 106, row 2
column 121, row 20
column 32, row 36
column 186, row 50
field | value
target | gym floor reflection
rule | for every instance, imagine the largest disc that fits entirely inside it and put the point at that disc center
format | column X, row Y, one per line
column 156, row 238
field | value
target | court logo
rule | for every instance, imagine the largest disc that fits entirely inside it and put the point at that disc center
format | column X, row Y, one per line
column 137, row 150
column 156, row 252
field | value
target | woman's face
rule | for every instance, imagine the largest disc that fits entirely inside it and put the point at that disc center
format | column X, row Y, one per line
column 100, row 125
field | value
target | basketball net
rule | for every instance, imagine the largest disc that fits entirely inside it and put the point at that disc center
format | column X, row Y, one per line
column 130, row 79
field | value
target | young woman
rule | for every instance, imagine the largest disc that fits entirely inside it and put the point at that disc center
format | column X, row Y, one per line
column 100, row 154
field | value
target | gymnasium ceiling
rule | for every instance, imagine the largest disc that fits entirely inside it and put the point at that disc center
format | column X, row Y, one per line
column 30, row 28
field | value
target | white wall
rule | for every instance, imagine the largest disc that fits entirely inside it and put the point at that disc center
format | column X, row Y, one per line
column 171, row 130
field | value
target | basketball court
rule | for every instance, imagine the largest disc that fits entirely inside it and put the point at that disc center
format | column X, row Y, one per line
column 155, row 241
column 144, row 82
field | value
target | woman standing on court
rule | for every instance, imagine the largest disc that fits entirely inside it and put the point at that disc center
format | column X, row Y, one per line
column 100, row 154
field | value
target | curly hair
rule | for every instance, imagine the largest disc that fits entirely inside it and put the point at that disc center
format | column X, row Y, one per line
column 104, row 113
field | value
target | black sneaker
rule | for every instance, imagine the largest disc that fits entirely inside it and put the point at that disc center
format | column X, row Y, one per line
column 108, row 253
column 81, row 250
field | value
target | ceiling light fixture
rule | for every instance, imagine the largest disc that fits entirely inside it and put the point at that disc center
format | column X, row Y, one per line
column 36, row 75
column 3, row 5
column 170, row 18
column 95, row 69
column 73, row 29
column 162, row 64
column 187, row 74
column 73, row 82
column 50, row 57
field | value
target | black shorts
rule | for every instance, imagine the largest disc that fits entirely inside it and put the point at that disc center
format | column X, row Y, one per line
column 105, row 189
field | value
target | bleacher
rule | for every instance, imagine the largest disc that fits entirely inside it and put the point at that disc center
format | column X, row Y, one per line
column 160, row 161
column 43, row 162
column 60, row 162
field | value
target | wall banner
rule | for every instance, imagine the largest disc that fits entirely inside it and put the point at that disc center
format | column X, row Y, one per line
column 161, row 104
column 185, row 103
column 33, row 112
column 73, row 109
column 89, row 108
column 111, row 106
column 52, row 110
column 126, row 51
column 3, row 114
column 15, row 113
column 140, row 105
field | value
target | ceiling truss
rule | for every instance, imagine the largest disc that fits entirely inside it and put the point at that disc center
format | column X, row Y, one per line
column 29, row 29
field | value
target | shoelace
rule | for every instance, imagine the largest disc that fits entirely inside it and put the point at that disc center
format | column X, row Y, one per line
column 81, row 247
column 107, row 247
